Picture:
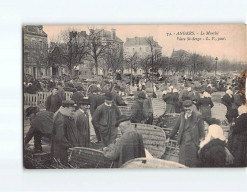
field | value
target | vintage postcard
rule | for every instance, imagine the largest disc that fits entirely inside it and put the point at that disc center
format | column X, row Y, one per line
column 134, row 96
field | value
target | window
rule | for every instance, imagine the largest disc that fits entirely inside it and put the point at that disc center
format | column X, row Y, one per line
column 41, row 44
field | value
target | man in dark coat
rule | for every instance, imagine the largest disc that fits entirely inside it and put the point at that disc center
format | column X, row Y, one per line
column 104, row 118
column 129, row 146
column 41, row 126
column 190, row 128
column 53, row 101
column 65, row 134
column 137, row 115
column 82, row 125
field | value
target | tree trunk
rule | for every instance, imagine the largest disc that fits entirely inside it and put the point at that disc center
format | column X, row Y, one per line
column 96, row 66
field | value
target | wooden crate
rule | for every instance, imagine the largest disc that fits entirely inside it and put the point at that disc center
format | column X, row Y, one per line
column 153, row 138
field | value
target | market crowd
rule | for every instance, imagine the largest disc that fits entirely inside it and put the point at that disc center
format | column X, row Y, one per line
column 200, row 137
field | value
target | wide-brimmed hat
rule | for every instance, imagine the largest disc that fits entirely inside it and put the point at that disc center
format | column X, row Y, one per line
column 121, row 119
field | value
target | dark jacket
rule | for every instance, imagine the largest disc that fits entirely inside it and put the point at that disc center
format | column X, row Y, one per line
column 205, row 104
column 196, row 124
column 118, row 100
column 43, row 122
column 129, row 146
column 53, row 103
column 104, row 119
column 64, row 136
column 213, row 154
column 137, row 112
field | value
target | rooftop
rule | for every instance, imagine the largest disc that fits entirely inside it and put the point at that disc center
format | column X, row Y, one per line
column 139, row 41
column 34, row 30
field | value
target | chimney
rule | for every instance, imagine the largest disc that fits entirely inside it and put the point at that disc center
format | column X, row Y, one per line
column 113, row 34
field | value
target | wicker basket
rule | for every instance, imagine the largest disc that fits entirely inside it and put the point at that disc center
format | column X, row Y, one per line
column 153, row 137
column 159, row 107
column 80, row 157
column 140, row 163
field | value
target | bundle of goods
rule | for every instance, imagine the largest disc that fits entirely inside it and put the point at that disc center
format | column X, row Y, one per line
column 80, row 157
column 154, row 138
column 139, row 163
column 167, row 120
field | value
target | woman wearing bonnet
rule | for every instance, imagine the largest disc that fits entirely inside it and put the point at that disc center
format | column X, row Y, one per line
column 213, row 151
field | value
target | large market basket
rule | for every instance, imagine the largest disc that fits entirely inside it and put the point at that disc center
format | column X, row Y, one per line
column 154, row 138
column 81, row 157
column 140, row 163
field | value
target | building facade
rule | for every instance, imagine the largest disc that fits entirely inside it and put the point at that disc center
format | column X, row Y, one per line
column 141, row 48
column 35, row 51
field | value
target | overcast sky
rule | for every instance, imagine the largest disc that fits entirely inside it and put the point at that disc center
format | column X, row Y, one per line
column 232, row 47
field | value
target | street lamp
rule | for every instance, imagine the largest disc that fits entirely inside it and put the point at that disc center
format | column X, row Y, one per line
column 216, row 65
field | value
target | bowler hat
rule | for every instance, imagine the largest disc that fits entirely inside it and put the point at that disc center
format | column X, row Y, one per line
column 120, row 119
column 187, row 103
column 108, row 96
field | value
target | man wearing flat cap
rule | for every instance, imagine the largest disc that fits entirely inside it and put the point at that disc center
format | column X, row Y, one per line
column 104, row 119
column 128, row 146
column 137, row 115
column 65, row 133
column 190, row 128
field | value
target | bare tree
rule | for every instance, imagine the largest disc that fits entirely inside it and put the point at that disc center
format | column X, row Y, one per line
column 132, row 62
column 74, row 46
column 97, row 46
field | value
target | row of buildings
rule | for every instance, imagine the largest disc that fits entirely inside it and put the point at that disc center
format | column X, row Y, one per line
column 42, row 61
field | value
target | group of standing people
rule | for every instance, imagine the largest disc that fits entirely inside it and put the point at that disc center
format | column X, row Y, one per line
column 66, row 124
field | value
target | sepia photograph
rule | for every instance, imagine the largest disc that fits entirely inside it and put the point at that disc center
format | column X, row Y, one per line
column 134, row 96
